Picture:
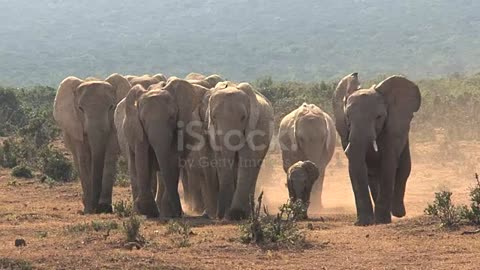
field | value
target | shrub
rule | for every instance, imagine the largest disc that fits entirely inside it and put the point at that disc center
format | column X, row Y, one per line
column 55, row 165
column 123, row 208
column 181, row 229
column 99, row 225
column 280, row 230
column 22, row 171
column 472, row 213
column 443, row 208
column 131, row 227
column 8, row 263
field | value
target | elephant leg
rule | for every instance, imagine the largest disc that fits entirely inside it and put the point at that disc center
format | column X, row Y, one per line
column 383, row 205
column 132, row 169
column 145, row 201
column 111, row 156
column 403, row 172
column 317, row 189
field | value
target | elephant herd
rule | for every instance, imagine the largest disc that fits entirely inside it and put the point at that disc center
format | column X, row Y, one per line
column 213, row 135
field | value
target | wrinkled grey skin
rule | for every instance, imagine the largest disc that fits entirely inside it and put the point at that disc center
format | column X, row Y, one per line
column 308, row 133
column 374, row 125
column 240, row 111
column 300, row 179
column 84, row 111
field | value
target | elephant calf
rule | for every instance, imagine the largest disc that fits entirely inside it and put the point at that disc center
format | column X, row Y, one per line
column 308, row 133
column 300, row 179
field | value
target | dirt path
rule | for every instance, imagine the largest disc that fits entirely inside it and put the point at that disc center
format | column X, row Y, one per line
column 48, row 219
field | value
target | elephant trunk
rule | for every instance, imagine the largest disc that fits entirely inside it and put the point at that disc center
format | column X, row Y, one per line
column 356, row 152
column 97, row 139
column 226, row 171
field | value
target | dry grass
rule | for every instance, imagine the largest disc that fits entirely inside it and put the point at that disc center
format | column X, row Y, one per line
column 40, row 215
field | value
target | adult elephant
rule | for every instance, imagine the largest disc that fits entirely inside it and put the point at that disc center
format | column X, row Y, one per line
column 155, row 129
column 147, row 82
column 84, row 112
column 199, row 179
column 374, row 125
column 308, row 133
column 240, row 125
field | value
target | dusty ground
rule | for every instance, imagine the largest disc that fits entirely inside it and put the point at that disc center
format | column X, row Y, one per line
column 46, row 217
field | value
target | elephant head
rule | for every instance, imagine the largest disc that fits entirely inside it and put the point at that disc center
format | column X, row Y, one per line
column 84, row 110
column 374, row 131
column 300, row 179
column 158, row 118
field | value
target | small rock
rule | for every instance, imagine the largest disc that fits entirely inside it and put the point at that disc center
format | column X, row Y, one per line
column 20, row 242
column 367, row 236
column 310, row 226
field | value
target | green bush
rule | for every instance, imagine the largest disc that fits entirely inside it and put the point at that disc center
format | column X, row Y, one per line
column 472, row 213
column 131, row 227
column 181, row 229
column 280, row 230
column 22, row 171
column 123, row 208
column 443, row 208
column 55, row 165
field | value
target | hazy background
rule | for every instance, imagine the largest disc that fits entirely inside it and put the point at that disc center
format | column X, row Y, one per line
column 43, row 41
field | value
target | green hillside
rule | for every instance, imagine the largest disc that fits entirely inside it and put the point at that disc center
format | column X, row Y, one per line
column 41, row 42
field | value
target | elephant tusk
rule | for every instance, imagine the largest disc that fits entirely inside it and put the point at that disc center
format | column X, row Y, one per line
column 375, row 146
column 347, row 148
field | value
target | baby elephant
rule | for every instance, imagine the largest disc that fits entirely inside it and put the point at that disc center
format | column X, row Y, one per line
column 300, row 179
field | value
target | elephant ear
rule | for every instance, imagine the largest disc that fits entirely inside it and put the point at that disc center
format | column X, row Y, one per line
column 311, row 169
column 120, row 84
column 345, row 88
column 65, row 110
column 254, row 106
column 403, row 98
column 132, row 125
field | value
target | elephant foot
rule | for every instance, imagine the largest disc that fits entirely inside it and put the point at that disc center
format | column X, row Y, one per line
column 147, row 208
column 104, row 208
column 398, row 210
column 88, row 210
column 236, row 214
column 364, row 221
column 383, row 218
